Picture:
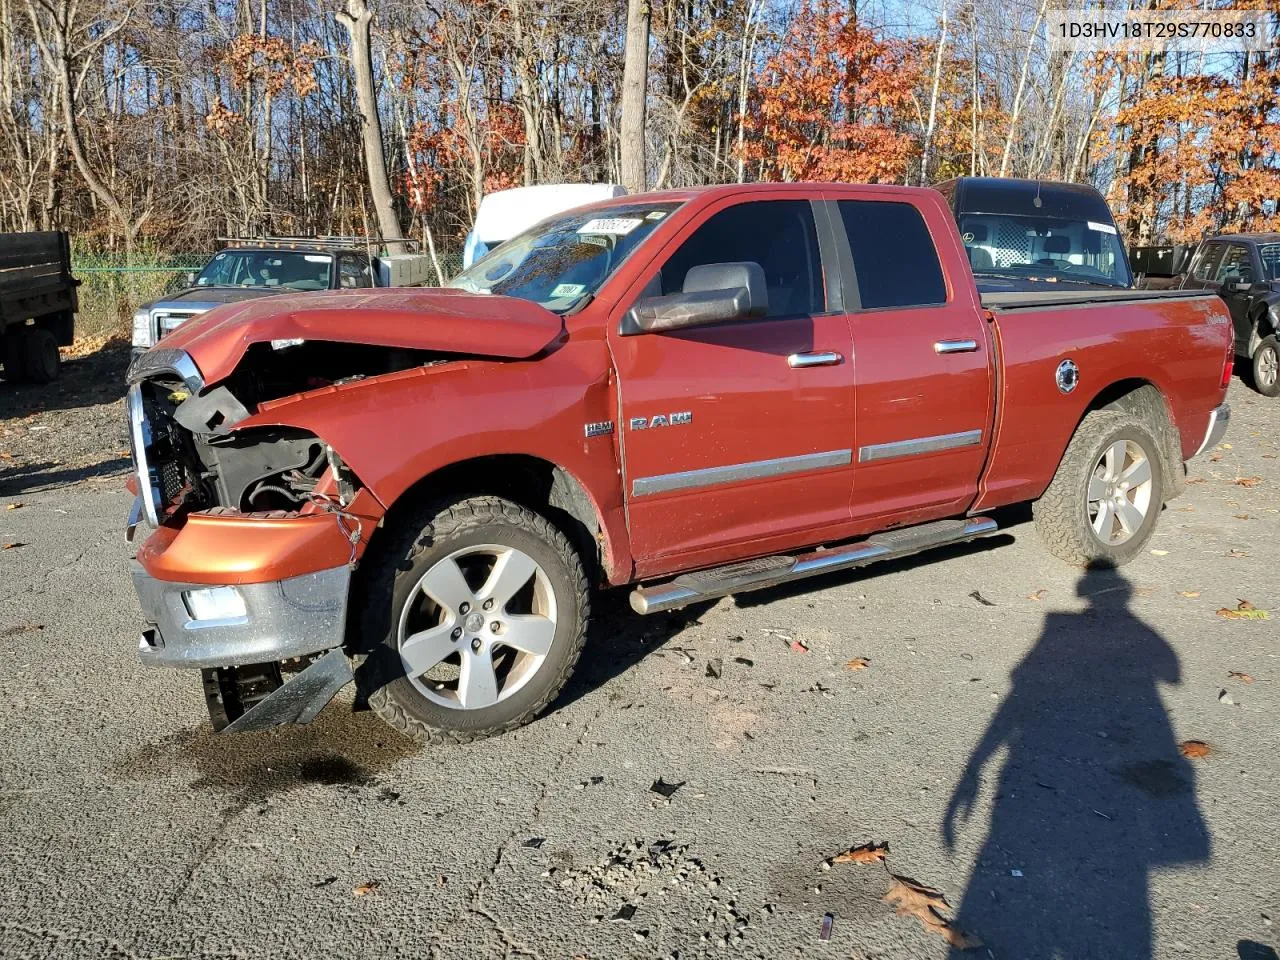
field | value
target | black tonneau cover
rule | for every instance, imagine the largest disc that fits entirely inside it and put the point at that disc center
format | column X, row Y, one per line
column 1031, row 299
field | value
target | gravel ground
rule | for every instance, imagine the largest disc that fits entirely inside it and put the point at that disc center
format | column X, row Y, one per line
column 1018, row 751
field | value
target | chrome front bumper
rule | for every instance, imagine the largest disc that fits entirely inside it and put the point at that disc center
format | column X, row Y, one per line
column 282, row 619
column 1217, row 429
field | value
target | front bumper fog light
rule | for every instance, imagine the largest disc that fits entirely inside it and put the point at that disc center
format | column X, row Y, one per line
column 214, row 603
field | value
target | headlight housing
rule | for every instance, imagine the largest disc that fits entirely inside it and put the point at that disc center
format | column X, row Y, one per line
column 143, row 336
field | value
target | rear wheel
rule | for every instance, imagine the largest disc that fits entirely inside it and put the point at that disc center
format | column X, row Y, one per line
column 1266, row 367
column 1102, row 505
column 40, row 359
column 479, row 617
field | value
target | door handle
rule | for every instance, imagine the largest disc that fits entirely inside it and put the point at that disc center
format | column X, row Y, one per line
column 955, row 346
column 828, row 358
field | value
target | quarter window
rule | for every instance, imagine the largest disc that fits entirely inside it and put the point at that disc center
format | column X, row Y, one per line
column 893, row 255
column 777, row 234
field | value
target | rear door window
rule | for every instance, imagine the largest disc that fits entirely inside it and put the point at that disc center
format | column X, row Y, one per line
column 1207, row 261
column 777, row 234
column 893, row 255
column 1235, row 265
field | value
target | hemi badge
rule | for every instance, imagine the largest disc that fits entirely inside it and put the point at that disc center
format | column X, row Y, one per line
column 598, row 429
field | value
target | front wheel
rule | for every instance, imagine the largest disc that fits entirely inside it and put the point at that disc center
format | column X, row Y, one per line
column 1102, row 505
column 479, row 615
column 1266, row 367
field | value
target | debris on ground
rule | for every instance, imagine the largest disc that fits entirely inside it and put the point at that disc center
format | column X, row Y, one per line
column 327, row 881
column 857, row 663
column 665, row 789
column 745, row 661
column 1247, row 481
column 1244, row 611
column 1159, row 553
column 534, row 843
column 1239, row 675
column 13, row 546
column 930, row 907
column 715, row 668
column 1195, row 749
column 828, row 921
column 866, row 853
column 625, row 913
column 1038, row 595
column 1224, row 698
column 1189, row 594
column 977, row 595
column 365, row 889
column 799, row 646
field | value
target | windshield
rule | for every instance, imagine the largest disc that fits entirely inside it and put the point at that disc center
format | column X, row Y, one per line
column 1050, row 249
column 1270, row 254
column 563, row 261
column 267, row 268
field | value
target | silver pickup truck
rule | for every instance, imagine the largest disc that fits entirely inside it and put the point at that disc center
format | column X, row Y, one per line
column 246, row 269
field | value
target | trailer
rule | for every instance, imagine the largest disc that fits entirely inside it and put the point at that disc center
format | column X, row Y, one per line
column 38, row 304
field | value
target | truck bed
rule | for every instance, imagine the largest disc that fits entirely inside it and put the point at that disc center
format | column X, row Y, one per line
column 1031, row 299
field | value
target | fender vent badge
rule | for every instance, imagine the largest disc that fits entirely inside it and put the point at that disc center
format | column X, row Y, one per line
column 598, row 429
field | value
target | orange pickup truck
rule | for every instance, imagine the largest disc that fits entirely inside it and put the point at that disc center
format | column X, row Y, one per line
column 693, row 392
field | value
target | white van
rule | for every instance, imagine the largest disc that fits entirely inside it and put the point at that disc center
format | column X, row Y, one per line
column 505, row 214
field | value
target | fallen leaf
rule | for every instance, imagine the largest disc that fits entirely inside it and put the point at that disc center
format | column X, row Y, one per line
column 1189, row 594
column 14, row 506
column 1243, row 516
column 867, row 853
column 927, row 905
column 1195, row 480
column 365, row 889
column 13, row 546
column 1239, row 675
column 1233, row 552
column 1226, row 446
column 1244, row 611
column 1247, row 481
column 1215, row 458
column 858, row 663
column 1038, row 595
column 1195, row 749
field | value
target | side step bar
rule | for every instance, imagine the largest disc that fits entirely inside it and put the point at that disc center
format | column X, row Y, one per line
column 771, row 571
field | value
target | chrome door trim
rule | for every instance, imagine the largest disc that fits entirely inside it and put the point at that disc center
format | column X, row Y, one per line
column 919, row 445
column 738, row 472
column 955, row 346
column 826, row 358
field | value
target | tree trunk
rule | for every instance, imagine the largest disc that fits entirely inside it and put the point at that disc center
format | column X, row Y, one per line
column 357, row 19
column 635, row 83
column 933, row 100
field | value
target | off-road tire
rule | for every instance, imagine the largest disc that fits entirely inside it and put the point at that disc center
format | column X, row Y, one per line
column 432, row 533
column 40, row 360
column 1061, row 515
column 1267, row 348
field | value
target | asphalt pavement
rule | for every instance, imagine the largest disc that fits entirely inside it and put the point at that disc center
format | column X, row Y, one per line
column 1018, row 738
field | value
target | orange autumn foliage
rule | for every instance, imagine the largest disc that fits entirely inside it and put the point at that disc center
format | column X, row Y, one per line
column 833, row 104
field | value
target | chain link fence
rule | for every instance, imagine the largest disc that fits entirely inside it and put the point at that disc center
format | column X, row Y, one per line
column 112, row 289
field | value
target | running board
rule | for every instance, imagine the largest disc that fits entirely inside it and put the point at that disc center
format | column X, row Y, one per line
column 771, row 571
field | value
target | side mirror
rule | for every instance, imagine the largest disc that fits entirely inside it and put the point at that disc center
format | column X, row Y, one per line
column 712, row 293
column 1242, row 285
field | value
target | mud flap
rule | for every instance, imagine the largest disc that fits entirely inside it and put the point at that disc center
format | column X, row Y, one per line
column 302, row 698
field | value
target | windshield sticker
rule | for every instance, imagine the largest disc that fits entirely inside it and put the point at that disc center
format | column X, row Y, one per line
column 221, row 256
column 1102, row 227
column 656, row 215
column 610, row 226
column 315, row 258
column 598, row 241
column 568, row 290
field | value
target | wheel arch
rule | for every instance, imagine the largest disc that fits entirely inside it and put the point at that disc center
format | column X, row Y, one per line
column 540, row 485
column 1264, row 321
column 1143, row 399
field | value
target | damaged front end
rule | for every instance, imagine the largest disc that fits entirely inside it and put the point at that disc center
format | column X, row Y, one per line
column 247, row 573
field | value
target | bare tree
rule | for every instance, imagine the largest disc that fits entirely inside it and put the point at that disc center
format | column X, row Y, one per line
column 635, row 85
column 357, row 19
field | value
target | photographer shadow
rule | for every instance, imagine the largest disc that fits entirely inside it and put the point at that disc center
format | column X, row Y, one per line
column 1093, row 796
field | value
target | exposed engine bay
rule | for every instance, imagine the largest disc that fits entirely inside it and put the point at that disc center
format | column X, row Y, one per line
column 198, row 461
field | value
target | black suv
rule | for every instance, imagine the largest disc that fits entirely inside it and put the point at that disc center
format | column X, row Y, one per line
column 1244, row 269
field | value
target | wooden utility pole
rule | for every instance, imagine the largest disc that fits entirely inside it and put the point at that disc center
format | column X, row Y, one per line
column 635, row 84
column 356, row 18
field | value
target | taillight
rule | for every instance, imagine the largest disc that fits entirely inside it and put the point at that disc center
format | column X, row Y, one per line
column 1227, row 366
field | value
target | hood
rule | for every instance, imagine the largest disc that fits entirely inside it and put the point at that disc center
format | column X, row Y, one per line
column 450, row 321
column 206, row 298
